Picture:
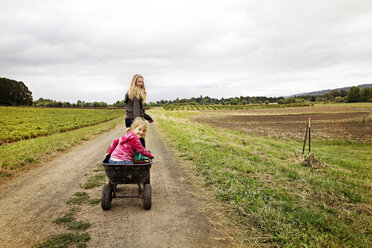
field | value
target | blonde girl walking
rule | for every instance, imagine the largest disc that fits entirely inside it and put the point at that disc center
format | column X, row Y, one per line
column 134, row 100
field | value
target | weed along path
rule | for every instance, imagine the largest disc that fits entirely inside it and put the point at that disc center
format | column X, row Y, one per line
column 178, row 216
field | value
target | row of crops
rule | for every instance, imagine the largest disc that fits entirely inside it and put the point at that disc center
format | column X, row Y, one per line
column 233, row 107
column 18, row 123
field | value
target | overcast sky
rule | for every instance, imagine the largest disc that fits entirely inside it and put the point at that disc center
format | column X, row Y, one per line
column 89, row 50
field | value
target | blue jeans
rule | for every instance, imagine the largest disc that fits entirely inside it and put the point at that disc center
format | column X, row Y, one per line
column 120, row 162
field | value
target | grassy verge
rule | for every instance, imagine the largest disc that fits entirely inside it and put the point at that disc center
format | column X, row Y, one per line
column 23, row 155
column 276, row 200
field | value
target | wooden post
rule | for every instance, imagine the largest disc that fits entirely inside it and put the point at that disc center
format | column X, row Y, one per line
column 303, row 148
column 309, row 137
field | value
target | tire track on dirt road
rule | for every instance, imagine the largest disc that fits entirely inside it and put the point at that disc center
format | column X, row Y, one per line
column 176, row 219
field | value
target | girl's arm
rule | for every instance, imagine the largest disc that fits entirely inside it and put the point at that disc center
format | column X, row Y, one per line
column 113, row 146
column 147, row 117
column 136, row 144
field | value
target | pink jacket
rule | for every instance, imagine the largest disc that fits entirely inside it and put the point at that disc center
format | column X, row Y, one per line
column 125, row 147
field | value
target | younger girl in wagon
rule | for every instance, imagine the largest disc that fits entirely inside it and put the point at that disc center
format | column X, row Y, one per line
column 123, row 149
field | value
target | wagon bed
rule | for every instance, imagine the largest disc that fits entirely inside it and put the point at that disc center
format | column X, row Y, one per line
column 126, row 174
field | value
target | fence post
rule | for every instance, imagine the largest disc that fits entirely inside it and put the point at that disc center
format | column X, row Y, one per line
column 309, row 136
column 303, row 148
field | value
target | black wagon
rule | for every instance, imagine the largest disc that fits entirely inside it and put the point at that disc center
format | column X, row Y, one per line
column 126, row 174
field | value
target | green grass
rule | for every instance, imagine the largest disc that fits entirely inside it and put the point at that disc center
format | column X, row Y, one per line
column 22, row 155
column 94, row 201
column 99, row 169
column 277, row 201
column 94, row 181
column 79, row 225
column 65, row 240
column 68, row 239
column 80, row 198
column 68, row 217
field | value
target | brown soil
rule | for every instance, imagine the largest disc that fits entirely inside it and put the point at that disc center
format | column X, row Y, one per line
column 295, row 110
column 348, row 126
column 178, row 217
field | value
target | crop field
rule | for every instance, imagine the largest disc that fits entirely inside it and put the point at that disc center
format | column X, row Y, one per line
column 276, row 195
column 32, row 135
column 19, row 123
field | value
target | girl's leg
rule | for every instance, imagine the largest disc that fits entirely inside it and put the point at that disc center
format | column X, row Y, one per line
column 120, row 162
column 111, row 161
column 128, row 122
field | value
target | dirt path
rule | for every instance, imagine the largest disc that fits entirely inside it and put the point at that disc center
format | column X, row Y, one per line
column 178, row 217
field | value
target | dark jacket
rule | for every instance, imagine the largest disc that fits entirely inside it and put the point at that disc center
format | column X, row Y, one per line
column 135, row 109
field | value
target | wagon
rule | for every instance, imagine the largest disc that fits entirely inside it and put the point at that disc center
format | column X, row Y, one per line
column 126, row 174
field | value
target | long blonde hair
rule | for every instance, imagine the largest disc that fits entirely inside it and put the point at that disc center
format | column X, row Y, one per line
column 137, row 92
column 139, row 121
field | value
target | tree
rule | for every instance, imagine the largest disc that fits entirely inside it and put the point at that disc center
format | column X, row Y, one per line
column 343, row 93
column 339, row 99
column 14, row 93
column 333, row 94
column 234, row 101
column 120, row 104
column 99, row 105
column 243, row 102
column 353, row 95
column 365, row 94
column 80, row 104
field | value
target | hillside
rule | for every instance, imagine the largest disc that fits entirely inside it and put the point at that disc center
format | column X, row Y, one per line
column 322, row 92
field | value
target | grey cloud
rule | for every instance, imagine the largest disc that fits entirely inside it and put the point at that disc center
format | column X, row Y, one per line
column 184, row 48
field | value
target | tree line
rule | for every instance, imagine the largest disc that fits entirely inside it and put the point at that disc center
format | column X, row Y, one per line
column 242, row 100
column 41, row 102
column 355, row 94
column 14, row 93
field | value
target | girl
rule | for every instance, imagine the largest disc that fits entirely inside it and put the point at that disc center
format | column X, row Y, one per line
column 134, row 99
column 123, row 149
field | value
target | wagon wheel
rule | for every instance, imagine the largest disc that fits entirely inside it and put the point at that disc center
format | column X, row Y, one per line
column 106, row 197
column 146, row 196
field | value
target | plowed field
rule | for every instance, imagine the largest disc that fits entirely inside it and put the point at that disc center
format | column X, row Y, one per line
column 351, row 124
